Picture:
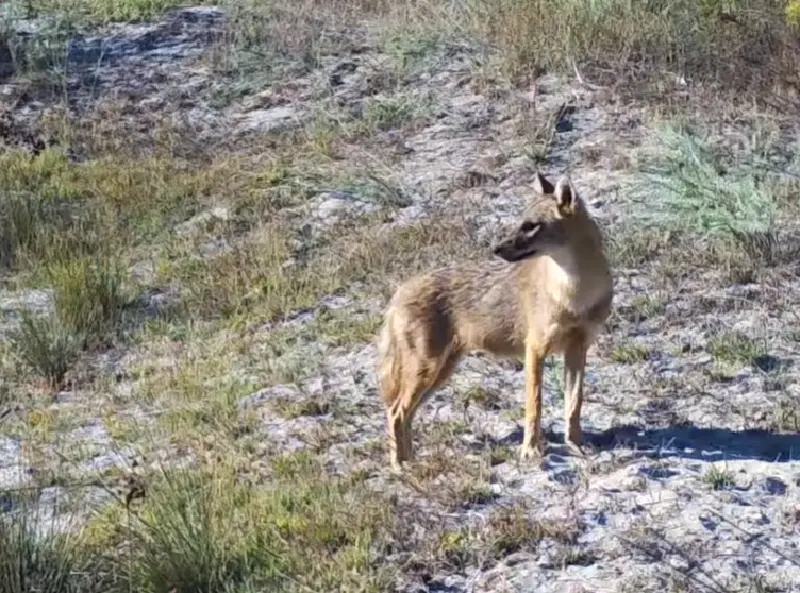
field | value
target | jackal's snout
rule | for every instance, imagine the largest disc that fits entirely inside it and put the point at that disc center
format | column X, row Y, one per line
column 522, row 243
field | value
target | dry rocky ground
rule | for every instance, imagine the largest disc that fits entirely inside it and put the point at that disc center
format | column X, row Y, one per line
column 308, row 187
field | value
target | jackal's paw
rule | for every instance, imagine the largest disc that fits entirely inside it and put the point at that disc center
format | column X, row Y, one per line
column 574, row 441
column 532, row 451
column 576, row 449
column 397, row 463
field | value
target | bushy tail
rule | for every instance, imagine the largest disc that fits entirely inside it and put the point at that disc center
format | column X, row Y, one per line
column 389, row 365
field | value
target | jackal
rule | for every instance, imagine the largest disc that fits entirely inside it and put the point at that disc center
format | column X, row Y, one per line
column 549, row 292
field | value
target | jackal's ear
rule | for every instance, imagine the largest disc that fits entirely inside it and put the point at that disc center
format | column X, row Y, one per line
column 542, row 185
column 565, row 196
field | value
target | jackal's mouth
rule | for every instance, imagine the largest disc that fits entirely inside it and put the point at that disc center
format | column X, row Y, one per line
column 512, row 254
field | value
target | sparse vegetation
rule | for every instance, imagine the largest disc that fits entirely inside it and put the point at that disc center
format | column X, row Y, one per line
column 296, row 408
column 737, row 348
column 555, row 370
column 36, row 557
column 202, row 531
column 646, row 307
column 384, row 114
column 482, row 397
column 719, row 478
column 631, row 247
column 630, row 353
column 46, row 346
column 223, row 204
column 89, row 296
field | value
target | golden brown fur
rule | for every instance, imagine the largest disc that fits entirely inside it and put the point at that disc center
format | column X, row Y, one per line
column 549, row 292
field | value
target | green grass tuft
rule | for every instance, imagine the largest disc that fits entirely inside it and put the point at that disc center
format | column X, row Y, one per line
column 35, row 558
column 737, row 348
column 389, row 113
column 46, row 346
column 26, row 220
column 187, row 538
column 630, row 353
column 719, row 478
column 698, row 192
column 203, row 531
column 89, row 295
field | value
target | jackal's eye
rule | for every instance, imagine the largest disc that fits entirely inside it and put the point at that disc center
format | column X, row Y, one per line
column 528, row 227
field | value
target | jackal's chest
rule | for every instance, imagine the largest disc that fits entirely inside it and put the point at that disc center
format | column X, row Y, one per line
column 574, row 294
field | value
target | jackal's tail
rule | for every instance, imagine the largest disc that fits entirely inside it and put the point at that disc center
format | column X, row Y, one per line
column 390, row 364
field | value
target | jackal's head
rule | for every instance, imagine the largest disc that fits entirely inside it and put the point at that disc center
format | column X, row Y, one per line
column 548, row 224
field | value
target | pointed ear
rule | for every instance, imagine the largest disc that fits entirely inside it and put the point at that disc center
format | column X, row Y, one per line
column 565, row 196
column 542, row 185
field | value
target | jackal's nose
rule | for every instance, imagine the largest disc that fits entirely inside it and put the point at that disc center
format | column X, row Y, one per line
column 504, row 250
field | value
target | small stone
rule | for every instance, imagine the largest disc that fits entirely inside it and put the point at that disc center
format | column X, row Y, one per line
column 197, row 222
column 491, row 161
column 331, row 206
column 774, row 486
column 12, row 474
column 274, row 119
column 474, row 177
column 339, row 73
column 264, row 100
column 264, row 395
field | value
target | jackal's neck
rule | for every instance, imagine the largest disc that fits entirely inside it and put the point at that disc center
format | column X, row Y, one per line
column 578, row 267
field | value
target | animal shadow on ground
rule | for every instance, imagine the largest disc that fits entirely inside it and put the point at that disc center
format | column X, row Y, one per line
column 684, row 440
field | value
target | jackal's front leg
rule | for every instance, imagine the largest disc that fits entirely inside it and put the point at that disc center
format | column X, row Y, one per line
column 574, row 369
column 532, row 444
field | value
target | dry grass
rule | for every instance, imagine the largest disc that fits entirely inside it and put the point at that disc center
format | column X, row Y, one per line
column 744, row 45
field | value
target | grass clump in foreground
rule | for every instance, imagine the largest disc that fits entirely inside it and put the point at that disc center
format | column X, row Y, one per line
column 737, row 347
column 204, row 530
column 89, row 301
column 89, row 295
column 719, row 478
column 46, row 346
column 34, row 556
column 207, row 529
